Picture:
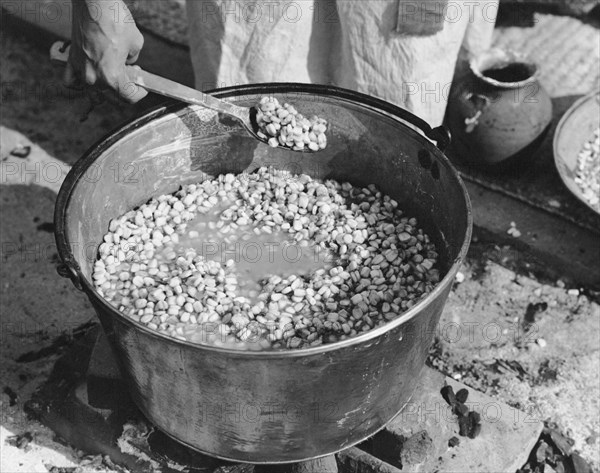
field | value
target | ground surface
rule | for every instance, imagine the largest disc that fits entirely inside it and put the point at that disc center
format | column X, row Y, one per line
column 550, row 371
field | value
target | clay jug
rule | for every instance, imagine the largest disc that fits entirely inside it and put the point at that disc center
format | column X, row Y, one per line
column 499, row 110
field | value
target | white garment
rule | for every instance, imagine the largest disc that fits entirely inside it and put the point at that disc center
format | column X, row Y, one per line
column 348, row 43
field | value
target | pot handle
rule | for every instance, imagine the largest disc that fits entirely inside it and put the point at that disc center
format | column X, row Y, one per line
column 441, row 134
column 480, row 102
column 70, row 270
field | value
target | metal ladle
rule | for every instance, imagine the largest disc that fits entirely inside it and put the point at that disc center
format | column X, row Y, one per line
column 59, row 52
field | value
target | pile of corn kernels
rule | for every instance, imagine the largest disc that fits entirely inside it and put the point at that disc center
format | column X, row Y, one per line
column 588, row 171
column 282, row 125
column 383, row 263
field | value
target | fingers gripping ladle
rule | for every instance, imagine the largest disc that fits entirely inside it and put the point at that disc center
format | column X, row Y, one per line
column 59, row 52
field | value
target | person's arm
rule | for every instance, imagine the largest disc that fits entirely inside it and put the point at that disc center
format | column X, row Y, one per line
column 104, row 39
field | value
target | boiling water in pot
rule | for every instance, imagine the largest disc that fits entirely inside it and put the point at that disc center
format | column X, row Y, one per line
column 255, row 253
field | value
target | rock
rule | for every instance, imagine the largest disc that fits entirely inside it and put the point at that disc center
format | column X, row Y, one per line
column 358, row 461
column 562, row 443
column 462, row 395
column 20, row 441
column 542, row 452
column 416, row 449
column 579, row 465
column 326, row 464
column 241, row 468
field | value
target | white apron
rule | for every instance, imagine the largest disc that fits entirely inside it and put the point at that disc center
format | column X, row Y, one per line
column 359, row 45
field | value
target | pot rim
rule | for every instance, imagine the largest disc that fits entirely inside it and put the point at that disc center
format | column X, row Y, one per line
column 171, row 106
column 510, row 55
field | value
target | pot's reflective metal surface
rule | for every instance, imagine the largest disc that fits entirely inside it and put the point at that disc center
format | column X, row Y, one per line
column 278, row 406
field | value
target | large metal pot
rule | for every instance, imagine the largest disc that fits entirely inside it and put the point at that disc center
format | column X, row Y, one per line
column 276, row 406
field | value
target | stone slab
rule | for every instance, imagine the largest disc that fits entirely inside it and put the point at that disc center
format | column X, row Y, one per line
column 417, row 440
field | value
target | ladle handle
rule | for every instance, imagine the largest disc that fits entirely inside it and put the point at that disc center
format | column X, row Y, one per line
column 59, row 52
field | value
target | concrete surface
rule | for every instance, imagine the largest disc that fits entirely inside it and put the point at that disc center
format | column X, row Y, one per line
column 558, row 248
column 551, row 371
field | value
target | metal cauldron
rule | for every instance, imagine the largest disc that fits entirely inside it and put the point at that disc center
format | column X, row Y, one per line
column 276, row 406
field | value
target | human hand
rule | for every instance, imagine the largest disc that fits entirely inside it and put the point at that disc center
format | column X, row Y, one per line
column 104, row 40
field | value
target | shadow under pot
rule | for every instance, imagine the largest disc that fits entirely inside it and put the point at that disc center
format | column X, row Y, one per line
column 500, row 113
